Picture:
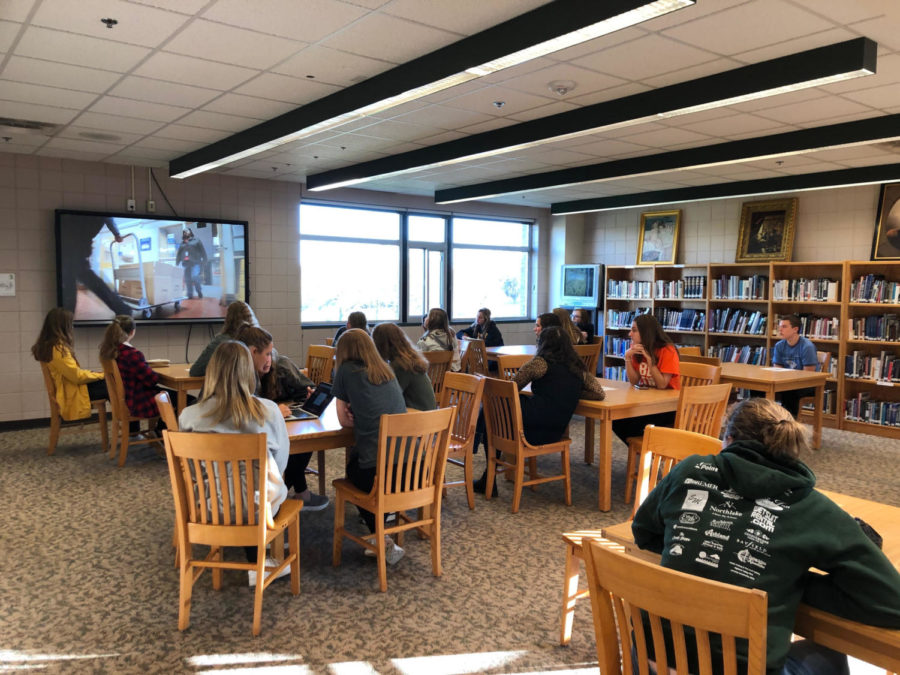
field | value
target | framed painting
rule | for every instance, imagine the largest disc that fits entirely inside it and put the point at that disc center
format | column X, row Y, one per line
column 658, row 238
column 767, row 231
column 886, row 243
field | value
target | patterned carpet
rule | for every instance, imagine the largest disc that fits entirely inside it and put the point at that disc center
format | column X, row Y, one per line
column 88, row 584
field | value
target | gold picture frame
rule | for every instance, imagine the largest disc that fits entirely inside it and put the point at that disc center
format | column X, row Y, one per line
column 658, row 237
column 886, row 243
column 767, row 231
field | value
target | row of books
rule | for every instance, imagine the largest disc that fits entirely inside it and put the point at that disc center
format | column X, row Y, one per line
column 617, row 346
column 805, row 290
column 615, row 373
column 628, row 289
column 884, row 328
column 874, row 288
column 689, row 287
column 681, row 319
column 861, row 409
column 616, row 319
column 755, row 356
column 829, row 398
column 821, row 327
column 730, row 320
column 884, row 367
column 732, row 287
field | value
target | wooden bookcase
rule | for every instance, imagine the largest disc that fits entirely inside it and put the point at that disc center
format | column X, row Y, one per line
column 838, row 301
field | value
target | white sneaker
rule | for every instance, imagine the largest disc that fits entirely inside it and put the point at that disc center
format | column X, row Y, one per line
column 392, row 552
column 270, row 562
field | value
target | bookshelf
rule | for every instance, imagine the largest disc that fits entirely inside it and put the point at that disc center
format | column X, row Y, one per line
column 850, row 309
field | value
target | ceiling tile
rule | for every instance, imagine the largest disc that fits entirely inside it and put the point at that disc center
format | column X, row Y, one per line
column 79, row 132
column 116, row 123
column 155, row 155
column 79, row 50
column 488, row 125
column 608, row 148
column 249, row 106
column 692, row 73
column 8, row 32
column 375, row 36
column 483, row 101
column 195, row 72
column 217, row 42
column 877, row 97
column 38, row 113
column 112, row 105
column 80, row 155
column 398, row 130
column 888, row 73
column 446, row 117
column 83, row 145
column 284, row 88
column 667, row 138
column 798, row 113
column 331, row 66
column 586, row 81
column 54, row 74
column 213, row 120
column 611, row 94
column 465, row 17
column 189, row 7
column 177, row 146
column 726, row 127
column 17, row 10
column 542, row 111
column 167, row 93
column 657, row 55
column 884, row 32
column 309, row 21
column 32, row 93
column 796, row 45
column 189, row 133
column 840, row 11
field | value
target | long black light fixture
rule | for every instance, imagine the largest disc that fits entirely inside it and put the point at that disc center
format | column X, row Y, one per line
column 866, row 175
column 877, row 129
column 811, row 68
column 549, row 28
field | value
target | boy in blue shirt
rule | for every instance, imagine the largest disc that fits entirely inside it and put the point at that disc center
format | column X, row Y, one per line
column 797, row 353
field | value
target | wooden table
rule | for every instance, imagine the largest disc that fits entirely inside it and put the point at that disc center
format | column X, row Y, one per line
column 622, row 401
column 773, row 380
column 177, row 377
column 510, row 350
column 879, row 646
column 319, row 435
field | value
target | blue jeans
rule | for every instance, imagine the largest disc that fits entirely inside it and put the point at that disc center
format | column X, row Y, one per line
column 808, row 658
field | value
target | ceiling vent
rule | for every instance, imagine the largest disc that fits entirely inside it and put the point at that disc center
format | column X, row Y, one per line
column 30, row 127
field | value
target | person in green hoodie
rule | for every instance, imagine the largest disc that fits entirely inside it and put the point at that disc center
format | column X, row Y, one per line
column 750, row 516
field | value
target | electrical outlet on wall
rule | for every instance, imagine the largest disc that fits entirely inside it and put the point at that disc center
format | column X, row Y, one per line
column 130, row 205
column 151, row 206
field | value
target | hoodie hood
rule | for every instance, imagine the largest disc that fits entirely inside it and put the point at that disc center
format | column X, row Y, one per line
column 753, row 473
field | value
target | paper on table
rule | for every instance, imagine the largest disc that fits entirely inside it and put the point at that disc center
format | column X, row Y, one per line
column 776, row 368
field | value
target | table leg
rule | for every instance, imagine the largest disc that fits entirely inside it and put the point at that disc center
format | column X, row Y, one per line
column 604, row 465
column 182, row 400
column 320, row 458
column 817, row 417
column 770, row 393
column 588, row 440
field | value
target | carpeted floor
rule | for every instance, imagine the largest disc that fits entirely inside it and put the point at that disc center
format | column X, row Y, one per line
column 88, row 585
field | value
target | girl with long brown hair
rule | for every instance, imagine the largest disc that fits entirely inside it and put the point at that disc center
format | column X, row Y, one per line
column 408, row 364
column 237, row 316
column 439, row 337
column 138, row 379
column 565, row 320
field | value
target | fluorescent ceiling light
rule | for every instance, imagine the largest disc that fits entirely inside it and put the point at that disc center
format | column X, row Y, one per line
column 811, row 68
column 556, row 20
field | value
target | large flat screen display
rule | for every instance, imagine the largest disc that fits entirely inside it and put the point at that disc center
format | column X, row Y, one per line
column 156, row 269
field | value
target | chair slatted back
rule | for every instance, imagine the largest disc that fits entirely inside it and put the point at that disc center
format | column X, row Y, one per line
column 412, row 456
column 701, row 408
column 319, row 363
column 824, row 359
column 663, row 448
column 622, row 586
column 711, row 360
column 329, row 342
column 464, row 392
column 689, row 351
column 590, row 354
column 115, row 389
column 509, row 364
column 438, row 365
column 474, row 360
column 697, row 374
column 166, row 410
column 503, row 414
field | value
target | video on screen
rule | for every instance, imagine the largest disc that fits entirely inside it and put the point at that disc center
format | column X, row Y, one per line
column 578, row 282
column 153, row 269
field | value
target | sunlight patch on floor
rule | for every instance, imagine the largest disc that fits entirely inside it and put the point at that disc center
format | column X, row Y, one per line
column 453, row 664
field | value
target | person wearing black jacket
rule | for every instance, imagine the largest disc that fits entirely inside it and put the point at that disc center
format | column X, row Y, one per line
column 192, row 256
column 484, row 329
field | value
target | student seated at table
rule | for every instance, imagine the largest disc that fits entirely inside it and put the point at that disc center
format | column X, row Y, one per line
column 565, row 320
column 355, row 320
column 797, row 353
column 409, row 366
column 483, row 329
column 558, row 380
column 228, row 406
column 651, row 362
column 545, row 320
column 365, row 388
column 582, row 320
column 438, row 336
column 280, row 383
column 75, row 386
column 237, row 315
column 757, row 522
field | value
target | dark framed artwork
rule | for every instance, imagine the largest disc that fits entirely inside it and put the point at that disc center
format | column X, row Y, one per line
column 767, row 231
column 658, row 238
column 886, row 243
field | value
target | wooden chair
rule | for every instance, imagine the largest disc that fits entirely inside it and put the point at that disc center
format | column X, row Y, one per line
column 590, row 354
column 689, row 351
column 438, row 364
column 623, row 586
column 503, row 419
column 412, row 457
column 663, row 448
column 509, row 364
column 711, row 360
column 56, row 420
column 319, row 363
column 215, row 478
column 464, row 392
column 474, row 361
column 824, row 359
column 166, row 410
column 121, row 416
column 329, row 342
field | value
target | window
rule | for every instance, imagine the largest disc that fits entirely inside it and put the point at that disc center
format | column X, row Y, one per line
column 395, row 266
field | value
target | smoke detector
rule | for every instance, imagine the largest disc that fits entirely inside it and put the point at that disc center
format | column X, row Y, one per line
column 561, row 87
column 29, row 127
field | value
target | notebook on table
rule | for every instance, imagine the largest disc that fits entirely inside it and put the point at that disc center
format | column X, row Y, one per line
column 314, row 405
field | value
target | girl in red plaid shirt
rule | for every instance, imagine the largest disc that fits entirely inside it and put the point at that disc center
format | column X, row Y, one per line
column 138, row 379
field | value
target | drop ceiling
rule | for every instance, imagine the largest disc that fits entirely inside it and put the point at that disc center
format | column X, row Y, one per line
column 173, row 76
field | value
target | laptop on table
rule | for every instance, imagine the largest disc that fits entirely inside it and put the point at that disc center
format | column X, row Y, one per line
column 315, row 404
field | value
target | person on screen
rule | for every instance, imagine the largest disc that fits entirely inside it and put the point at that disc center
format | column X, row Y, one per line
column 270, row 385
column 408, row 364
column 582, row 320
column 483, row 329
column 236, row 316
column 439, row 337
column 565, row 321
column 75, row 386
column 228, row 406
column 355, row 320
column 756, row 521
column 543, row 321
column 365, row 388
column 78, row 237
column 192, row 256
column 651, row 362
column 139, row 381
